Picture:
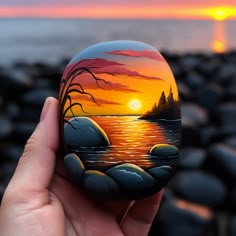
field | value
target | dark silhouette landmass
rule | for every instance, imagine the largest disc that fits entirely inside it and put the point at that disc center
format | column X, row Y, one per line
column 167, row 108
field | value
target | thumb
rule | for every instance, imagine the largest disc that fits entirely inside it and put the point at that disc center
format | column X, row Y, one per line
column 36, row 166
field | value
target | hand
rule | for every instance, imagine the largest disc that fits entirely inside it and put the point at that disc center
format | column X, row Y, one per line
column 40, row 201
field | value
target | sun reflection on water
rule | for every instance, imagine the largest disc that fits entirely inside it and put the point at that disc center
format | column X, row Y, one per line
column 219, row 44
column 131, row 139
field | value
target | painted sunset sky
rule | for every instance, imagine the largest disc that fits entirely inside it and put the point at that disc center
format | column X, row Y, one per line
column 131, row 79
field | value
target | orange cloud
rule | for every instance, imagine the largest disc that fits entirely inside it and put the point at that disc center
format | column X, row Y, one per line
column 143, row 53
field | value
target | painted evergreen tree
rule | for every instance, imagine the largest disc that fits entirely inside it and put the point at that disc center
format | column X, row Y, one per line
column 167, row 108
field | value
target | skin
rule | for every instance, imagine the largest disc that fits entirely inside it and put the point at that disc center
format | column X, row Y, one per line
column 40, row 200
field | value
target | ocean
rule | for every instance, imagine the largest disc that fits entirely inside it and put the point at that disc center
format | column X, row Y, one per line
column 50, row 40
column 131, row 140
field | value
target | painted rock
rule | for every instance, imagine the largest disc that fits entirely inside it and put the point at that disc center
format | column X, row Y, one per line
column 120, row 120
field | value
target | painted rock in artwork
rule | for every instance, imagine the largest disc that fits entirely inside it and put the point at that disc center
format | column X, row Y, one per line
column 120, row 120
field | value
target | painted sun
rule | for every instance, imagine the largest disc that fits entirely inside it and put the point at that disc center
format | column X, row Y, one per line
column 135, row 104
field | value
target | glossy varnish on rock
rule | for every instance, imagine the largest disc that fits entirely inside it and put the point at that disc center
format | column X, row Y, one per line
column 120, row 120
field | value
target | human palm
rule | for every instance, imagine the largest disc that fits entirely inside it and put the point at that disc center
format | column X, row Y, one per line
column 40, row 201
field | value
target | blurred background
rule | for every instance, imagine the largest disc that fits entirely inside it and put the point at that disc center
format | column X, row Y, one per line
column 197, row 38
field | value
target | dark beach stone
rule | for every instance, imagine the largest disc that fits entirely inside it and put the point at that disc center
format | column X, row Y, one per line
column 1, row 101
column 230, row 203
column 100, row 184
column 45, row 83
column 13, row 80
column 221, row 161
column 43, row 70
column 184, row 91
column 53, row 72
column 209, row 95
column 230, row 94
column 5, row 127
column 168, row 194
column 227, row 131
column 231, row 141
column 194, row 113
column 2, row 190
column 132, row 178
column 191, row 158
column 195, row 80
column 74, row 167
column 29, row 114
column 164, row 151
column 199, row 187
column 209, row 134
column 35, row 71
column 22, row 131
column 189, row 61
column 37, row 97
column 190, row 133
column 227, row 73
column 216, row 134
column 231, row 57
column 232, row 226
column 177, row 217
column 13, row 110
column 63, row 62
column 226, row 114
column 208, row 67
column 20, row 64
column 11, row 152
column 176, row 69
column 8, row 170
column 84, row 132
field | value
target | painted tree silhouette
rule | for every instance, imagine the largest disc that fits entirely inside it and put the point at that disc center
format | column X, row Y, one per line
column 69, row 85
column 167, row 108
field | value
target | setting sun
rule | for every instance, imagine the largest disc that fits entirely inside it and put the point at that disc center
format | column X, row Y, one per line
column 135, row 104
column 221, row 13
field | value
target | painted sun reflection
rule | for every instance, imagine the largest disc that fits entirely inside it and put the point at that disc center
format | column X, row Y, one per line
column 127, row 139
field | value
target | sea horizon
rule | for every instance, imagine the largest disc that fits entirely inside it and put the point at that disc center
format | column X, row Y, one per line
column 51, row 40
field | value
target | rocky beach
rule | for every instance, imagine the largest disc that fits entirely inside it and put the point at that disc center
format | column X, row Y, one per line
column 201, row 198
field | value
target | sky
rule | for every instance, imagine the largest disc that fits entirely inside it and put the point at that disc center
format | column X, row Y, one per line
column 131, row 76
column 119, row 9
column 115, row 3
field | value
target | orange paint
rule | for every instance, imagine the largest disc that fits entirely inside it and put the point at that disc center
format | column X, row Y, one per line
column 127, row 89
column 130, row 90
column 132, row 132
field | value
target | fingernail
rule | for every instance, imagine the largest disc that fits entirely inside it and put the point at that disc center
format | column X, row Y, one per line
column 45, row 109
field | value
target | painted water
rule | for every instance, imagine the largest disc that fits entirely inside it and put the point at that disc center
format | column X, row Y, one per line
column 131, row 140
